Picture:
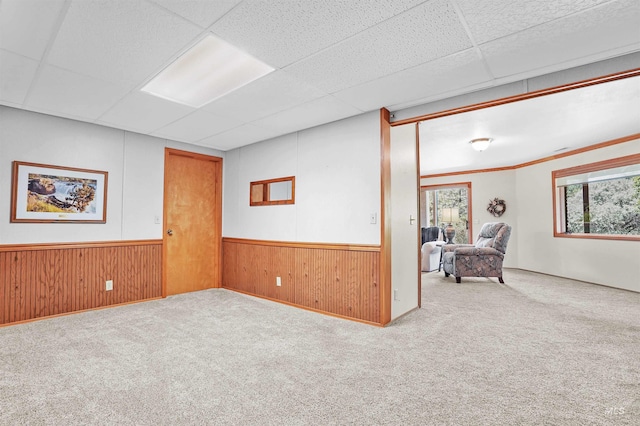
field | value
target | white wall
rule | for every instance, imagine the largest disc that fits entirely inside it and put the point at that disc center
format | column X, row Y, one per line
column 135, row 164
column 260, row 161
column 140, row 189
column 404, row 220
column 486, row 187
column 607, row 262
column 337, row 170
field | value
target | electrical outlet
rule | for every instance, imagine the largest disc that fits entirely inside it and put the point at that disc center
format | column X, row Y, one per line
column 156, row 220
column 278, row 281
column 109, row 285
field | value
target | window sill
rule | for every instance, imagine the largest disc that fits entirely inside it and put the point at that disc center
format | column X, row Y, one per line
column 598, row 236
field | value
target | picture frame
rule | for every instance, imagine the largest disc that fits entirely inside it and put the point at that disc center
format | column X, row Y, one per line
column 42, row 193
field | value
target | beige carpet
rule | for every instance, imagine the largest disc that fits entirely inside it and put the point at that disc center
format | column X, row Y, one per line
column 537, row 350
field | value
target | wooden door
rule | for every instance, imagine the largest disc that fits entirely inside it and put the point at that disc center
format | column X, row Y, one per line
column 192, row 222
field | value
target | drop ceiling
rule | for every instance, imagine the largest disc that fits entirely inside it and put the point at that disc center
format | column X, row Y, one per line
column 88, row 59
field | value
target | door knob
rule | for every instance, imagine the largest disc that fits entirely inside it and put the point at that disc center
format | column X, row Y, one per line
column 169, row 231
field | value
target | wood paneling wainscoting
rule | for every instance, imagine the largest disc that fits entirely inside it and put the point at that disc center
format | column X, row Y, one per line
column 337, row 279
column 41, row 280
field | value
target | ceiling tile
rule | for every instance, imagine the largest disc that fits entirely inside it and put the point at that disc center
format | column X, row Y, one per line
column 196, row 126
column 73, row 94
column 200, row 12
column 578, row 38
column 144, row 113
column 419, row 84
column 270, row 94
column 427, row 32
column 341, row 57
column 16, row 74
column 243, row 135
column 311, row 114
column 280, row 32
column 122, row 41
column 27, row 25
column 492, row 19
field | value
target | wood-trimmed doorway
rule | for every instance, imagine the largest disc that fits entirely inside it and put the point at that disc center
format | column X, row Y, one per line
column 192, row 228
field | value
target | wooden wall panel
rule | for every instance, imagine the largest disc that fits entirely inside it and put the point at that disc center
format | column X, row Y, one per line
column 46, row 279
column 336, row 279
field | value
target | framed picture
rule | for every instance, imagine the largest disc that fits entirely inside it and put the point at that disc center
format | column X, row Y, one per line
column 44, row 193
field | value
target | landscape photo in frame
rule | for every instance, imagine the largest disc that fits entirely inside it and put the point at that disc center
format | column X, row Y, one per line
column 45, row 193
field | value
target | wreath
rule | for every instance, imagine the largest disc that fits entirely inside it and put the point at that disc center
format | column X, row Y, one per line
column 497, row 207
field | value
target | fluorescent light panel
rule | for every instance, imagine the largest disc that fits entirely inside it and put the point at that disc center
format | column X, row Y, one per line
column 209, row 70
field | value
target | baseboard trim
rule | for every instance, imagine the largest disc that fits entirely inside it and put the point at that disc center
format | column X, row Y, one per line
column 306, row 308
column 572, row 279
column 417, row 308
column 64, row 314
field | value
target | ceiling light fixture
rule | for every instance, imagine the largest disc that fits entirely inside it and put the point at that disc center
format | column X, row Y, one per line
column 209, row 70
column 480, row 144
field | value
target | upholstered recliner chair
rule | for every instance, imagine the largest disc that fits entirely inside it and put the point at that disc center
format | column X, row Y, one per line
column 432, row 241
column 482, row 259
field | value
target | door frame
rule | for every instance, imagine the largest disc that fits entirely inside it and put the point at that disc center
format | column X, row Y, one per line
column 385, row 126
column 218, row 210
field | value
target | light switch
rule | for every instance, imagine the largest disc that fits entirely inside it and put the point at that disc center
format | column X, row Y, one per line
column 373, row 218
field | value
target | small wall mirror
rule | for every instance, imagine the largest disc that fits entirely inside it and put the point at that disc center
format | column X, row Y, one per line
column 273, row 191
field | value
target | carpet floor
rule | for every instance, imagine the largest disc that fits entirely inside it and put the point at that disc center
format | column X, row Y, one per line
column 537, row 350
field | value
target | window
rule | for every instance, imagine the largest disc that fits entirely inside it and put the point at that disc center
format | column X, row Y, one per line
column 272, row 191
column 598, row 200
column 442, row 205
